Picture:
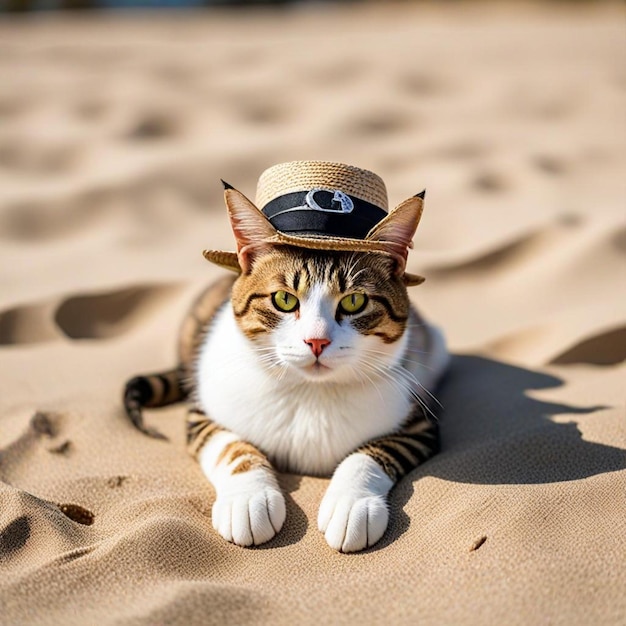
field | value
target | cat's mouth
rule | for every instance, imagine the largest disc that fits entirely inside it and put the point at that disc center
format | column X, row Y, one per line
column 311, row 368
column 316, row 370
column 318, row 366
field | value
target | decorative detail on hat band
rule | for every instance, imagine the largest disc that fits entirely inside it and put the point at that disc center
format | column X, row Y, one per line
column 334, row 201
column 323, row 212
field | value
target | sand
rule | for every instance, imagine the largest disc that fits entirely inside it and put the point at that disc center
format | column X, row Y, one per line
column 114, row 132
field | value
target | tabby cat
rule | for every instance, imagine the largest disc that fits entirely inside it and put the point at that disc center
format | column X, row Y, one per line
column 310, row 361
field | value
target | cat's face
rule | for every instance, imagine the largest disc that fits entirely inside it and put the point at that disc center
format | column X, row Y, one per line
column 323, row 316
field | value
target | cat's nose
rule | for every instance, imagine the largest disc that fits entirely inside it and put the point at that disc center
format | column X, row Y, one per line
column 317, row 345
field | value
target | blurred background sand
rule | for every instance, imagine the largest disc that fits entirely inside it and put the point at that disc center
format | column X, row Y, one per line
column 115, row 129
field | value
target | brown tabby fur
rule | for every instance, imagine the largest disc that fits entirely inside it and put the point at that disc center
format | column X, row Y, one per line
column 296, row 271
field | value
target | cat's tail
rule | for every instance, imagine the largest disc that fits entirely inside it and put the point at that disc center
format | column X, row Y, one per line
column 151, row 391
column 163, row 388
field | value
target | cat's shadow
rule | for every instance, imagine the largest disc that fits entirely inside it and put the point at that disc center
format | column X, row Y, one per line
column 494, row 433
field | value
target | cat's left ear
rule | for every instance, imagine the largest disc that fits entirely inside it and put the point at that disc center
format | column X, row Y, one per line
column 395, row 232
column 251, row 229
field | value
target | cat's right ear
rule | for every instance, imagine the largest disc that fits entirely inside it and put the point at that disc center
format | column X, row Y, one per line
column 250, row 227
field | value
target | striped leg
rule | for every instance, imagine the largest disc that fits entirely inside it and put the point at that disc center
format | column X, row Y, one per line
column 353, row 514
column 249, row 508
column 401, row 452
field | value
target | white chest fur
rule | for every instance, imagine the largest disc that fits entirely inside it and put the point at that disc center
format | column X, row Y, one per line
column 302, row 426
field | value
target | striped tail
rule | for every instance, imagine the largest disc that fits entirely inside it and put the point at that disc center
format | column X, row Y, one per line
column 161, row 389
column 150, row 391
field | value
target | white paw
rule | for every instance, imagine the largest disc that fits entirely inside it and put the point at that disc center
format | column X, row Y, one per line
column 351, row 523
column 353, row 514
column 250, row 516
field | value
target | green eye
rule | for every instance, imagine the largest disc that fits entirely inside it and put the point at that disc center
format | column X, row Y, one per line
column 353, row 303
column 285, row 301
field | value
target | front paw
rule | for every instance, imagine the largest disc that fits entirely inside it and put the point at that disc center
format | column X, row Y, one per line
column 350, row 522
column 250, row 516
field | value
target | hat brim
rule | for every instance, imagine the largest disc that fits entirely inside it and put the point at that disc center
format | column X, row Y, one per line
column 230, row 261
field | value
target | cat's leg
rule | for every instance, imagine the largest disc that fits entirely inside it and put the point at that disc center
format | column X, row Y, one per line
column 249, row 508
column 353, row 514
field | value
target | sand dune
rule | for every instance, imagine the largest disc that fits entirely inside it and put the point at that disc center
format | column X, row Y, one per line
column 114, row 133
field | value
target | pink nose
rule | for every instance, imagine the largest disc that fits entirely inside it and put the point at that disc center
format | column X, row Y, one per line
column 317, row 345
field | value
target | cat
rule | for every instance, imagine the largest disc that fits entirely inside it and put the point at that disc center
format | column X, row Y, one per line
column 310, row 361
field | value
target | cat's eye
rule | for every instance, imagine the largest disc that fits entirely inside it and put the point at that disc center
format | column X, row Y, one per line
column 353, row 303
column 285, row 301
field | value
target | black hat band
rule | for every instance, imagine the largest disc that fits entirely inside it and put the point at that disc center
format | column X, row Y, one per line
column 323, row 212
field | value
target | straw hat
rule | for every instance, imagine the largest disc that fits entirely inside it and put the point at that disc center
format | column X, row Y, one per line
column 319, row 205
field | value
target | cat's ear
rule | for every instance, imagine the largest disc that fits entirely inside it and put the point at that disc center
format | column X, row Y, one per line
column 412, row 280
column 395, row 232
column 250, row 227
column 397, row 229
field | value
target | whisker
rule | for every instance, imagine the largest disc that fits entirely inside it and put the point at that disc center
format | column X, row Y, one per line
column 376, row 352
column 402, row 386
column 387, row 354
column 414, row 379
column 380, row 395
column 405, row 378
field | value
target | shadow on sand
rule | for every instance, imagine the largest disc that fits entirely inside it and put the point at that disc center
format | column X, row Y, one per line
column 493, row 433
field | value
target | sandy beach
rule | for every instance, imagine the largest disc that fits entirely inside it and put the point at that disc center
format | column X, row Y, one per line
column 115, row 130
